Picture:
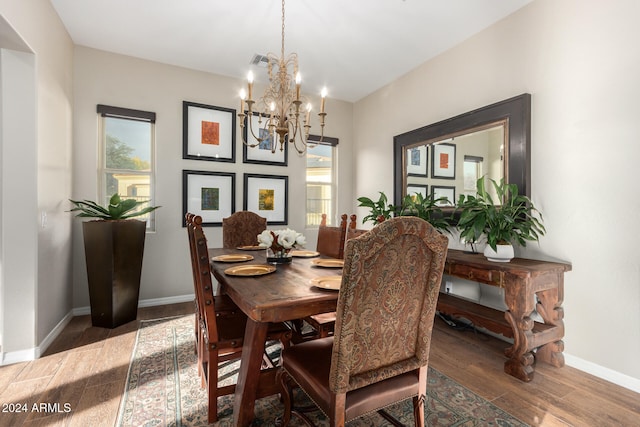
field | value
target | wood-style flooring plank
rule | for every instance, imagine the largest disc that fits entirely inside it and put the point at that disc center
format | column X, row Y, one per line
column 112, row 364
column 70, row 381
column 99, row 405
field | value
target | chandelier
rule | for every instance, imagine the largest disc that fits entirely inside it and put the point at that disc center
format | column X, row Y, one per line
column 280, row 107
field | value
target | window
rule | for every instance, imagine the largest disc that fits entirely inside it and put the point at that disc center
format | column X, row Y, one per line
column 127, row 140
column 472, row 172
column 321, row 181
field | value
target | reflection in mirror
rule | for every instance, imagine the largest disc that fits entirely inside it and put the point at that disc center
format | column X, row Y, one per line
column 446, row 158
column 450, row 166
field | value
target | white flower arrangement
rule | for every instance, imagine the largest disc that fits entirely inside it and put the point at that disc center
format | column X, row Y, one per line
column 281, row 241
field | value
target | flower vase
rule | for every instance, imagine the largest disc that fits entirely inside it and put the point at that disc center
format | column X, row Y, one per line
column 279, row 256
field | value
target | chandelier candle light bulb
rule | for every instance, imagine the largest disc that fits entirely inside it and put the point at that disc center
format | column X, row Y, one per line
column 250, row 83
column 243, row 96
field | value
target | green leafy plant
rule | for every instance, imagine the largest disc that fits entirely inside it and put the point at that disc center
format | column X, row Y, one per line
column 516, row 220
column 117, row 209
column 428, row 209
column 379, row 210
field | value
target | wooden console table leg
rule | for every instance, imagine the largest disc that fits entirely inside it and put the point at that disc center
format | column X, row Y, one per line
column 550, row 309
column 520, row 305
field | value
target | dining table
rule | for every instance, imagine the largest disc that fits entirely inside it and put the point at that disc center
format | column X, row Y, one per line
column 270, row 293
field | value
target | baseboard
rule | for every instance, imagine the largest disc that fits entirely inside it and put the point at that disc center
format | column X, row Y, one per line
column 81, row 311
column 12, row 357
column 610, row 375
column 57, row 330
column 35, row 353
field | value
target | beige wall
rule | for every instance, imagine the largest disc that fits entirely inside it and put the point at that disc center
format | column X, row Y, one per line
column 39, row 152
column 105, row 78
column 579, row 62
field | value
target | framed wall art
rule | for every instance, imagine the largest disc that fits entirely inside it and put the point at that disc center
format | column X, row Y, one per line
column 443, row 164
column 438, row 191
column 412, row 189
column 262, row 153
column 417, row 161
column 267, row 195
column 208, row 132
column 208, row 194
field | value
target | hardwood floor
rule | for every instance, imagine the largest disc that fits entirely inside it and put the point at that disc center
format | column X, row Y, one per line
column 86, row 368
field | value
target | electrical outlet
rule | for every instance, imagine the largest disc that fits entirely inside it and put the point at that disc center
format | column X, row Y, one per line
column 448, row 287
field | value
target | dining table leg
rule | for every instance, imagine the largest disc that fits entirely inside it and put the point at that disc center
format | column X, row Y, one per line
column 249, row 375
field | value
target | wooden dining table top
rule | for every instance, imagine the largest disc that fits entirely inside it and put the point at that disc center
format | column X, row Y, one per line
column 285, row 294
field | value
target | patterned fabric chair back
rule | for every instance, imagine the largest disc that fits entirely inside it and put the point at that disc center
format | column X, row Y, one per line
column 242, row 229
column 387, row 302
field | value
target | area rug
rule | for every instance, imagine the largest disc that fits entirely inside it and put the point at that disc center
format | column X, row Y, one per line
column 163, row 389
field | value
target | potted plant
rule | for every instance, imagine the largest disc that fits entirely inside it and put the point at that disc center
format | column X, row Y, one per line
column 379, row 210
column 418, row 205
column 114, row 245
column 428, row 209
column 515, row 220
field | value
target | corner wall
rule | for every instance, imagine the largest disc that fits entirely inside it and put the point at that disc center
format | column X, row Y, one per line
column 36, row 147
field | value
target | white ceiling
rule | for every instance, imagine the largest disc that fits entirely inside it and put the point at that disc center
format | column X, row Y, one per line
column 353, row 47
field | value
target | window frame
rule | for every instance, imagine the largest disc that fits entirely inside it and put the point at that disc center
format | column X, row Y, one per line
column 107, row 111
column 327, row 141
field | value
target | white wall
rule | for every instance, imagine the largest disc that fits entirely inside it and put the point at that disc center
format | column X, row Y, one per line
column 579, row 61
column 36, row 158
column 105, row 78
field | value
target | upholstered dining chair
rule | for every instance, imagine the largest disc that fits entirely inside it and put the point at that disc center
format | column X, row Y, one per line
column 242, row 228
column 220, row 324
column 379, row 352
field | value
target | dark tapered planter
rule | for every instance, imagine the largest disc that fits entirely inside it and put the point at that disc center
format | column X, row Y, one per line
column 113, row 252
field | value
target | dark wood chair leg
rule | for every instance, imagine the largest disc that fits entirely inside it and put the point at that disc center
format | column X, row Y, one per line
column 286, row 396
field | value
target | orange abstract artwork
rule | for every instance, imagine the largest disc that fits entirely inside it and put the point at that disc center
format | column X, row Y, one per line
column 210, row 133
column 444, row 161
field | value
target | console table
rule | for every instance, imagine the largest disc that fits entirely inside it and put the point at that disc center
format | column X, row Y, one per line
column 529, row 285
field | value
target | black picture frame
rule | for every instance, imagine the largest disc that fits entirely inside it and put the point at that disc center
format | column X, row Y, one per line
column 212, row 195
column 208, row 132
column 418, row 188
column 261, row 155
column 448, row 191
column 418, row 161
column 443, row 161
column 268, row 196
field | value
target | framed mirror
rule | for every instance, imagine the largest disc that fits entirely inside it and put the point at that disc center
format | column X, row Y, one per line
column 446, row 158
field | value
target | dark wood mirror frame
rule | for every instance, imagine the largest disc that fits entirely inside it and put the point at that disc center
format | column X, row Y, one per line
column 516, row 111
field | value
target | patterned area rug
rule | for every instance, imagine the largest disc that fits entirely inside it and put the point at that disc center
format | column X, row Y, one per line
column 163, row 389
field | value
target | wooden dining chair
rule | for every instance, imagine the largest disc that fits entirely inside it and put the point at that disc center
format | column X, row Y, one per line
column 331, row 239
column 352, row 229
column 324, row 323
column 380, row 350
column 220, row 324
column 242, row 228
column 330, row 243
